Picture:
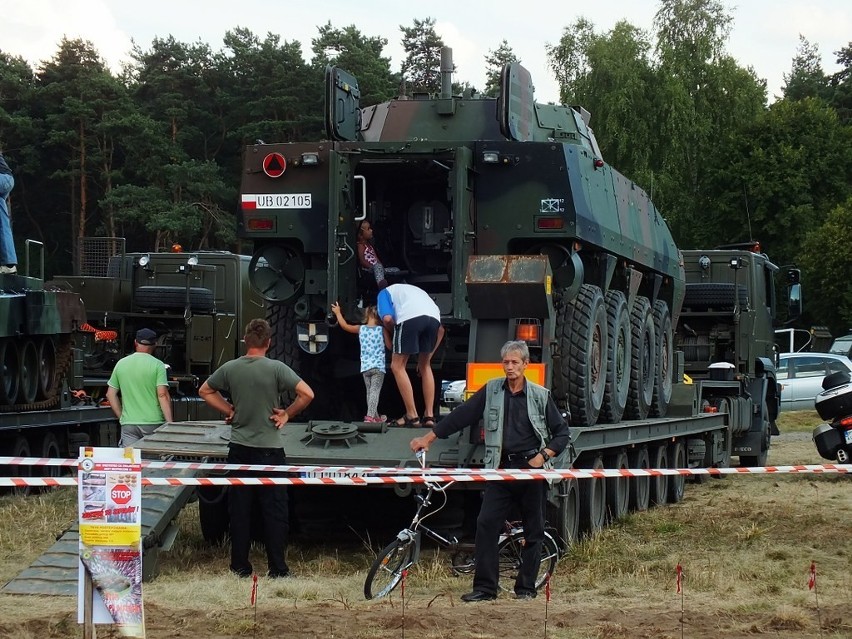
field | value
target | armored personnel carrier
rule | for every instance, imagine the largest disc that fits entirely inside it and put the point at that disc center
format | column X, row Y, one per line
column 451, row 181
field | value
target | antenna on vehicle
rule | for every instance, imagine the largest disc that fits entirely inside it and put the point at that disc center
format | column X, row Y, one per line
column 748, row 213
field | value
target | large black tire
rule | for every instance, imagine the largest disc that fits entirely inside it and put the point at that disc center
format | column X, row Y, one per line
column 213, row 514
column 509, row 559
column 284, row 347
column 20, row 448
column 640, row 487
column 201, row 300
column 587, row 356
column 643, row 369
column 566, row 514
column 677, row 459
column 51, row 449
column 716, row 296
column 664, row 361
column 617, row 488
column 618, row 358
column 386, row 571
column 659, row 484
column 593, row 502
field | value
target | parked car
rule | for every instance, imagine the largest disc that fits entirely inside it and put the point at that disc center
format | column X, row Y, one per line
column 801, row 375
column 842, row 346
column 454, row 393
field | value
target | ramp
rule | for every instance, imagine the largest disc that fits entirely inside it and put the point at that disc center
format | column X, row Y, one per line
column 55, row 572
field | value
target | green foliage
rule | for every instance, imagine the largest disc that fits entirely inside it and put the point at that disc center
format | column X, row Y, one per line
column 421, row 68
column 806, row 78
column 494, row 63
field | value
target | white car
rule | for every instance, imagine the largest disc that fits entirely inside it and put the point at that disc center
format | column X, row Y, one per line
column 801, row 375
column 454, row 393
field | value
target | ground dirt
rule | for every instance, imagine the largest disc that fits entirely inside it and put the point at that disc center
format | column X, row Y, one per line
column 745, row 544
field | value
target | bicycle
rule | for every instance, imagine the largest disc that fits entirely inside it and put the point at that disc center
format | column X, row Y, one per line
column 403, row 552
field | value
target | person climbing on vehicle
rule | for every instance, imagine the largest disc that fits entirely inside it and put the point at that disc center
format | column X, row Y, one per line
column 8, row 256
column 372, row 356
column 523, row 429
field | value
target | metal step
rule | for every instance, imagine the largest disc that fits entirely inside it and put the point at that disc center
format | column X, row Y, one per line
column 55, row 572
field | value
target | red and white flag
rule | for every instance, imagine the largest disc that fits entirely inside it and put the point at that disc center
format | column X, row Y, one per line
column 547, row 588
column 253, row 590
column 679, row 577
column 812, row 576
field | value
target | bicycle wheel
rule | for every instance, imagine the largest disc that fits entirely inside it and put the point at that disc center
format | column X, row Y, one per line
column 386, row 571
column 509, row 552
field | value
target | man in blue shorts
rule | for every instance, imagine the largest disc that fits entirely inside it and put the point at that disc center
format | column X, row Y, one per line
column 414, row 320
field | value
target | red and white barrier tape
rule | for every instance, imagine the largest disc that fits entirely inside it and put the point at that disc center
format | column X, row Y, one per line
column 471, row 475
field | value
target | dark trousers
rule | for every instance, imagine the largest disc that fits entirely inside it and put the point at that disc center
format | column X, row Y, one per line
column 270, row 502
column 497, row 502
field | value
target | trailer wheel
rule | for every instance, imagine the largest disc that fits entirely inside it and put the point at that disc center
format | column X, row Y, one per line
column 618, row 358
column 617, row 488
column 677, row 459
column 20, row 448
column 9, row 365
column 662, row 395
column 213, row 513
column 201, row 300
column 50, row 449
column 593, row 502
column 643, row 349
column 660, row 483
column 640, row 487
column 566, row 514
column 586, row 357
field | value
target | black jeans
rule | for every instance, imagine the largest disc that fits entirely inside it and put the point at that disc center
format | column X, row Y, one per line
column 271, row 504
column 497, row 501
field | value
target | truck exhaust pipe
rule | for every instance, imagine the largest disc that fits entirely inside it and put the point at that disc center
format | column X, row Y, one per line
column 446, row 73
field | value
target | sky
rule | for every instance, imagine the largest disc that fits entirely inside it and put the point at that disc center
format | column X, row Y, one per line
column 765, row 33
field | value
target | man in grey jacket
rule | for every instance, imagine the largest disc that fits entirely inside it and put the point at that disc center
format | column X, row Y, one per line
column 523, row 429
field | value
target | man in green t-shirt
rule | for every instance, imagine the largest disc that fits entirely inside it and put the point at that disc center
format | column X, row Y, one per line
column 144, row 403
column 255, row 384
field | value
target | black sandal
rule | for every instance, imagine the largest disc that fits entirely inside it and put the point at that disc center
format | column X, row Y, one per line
column 406, row 422
column 427, row 421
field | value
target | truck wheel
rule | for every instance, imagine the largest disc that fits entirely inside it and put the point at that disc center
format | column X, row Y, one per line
column 201, row 300
column 50, row 449
column 664, row 360
column 566, row 514
column 593, row 502
column 660, row 483
column 677, row 483
column 643, row 349
column 213, row 513
column 20, row 448
column 618, row 358
column 617, row 488
column 640, row 487
column 587, row 356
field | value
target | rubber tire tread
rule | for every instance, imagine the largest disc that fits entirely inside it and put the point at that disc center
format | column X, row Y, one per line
column 716, row 295
column 584, row 397
column 507, row 553
column 641, row 394
column 404, row 559
column 615, row 395
column 617, row 488
column 201, row 300
column 664, row 334
column 677, row 483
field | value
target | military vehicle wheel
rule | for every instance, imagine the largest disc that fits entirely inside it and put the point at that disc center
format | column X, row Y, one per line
column 640, row 487
column 586, row 358
column 664, row 360
column 593, row 501
column 282, row 318
column 213, row 513
column 28, row 373
column 9, row 365
column 46, row 368
column 566, row 514
column 618, row 358
column 660, row 483
column 677, row 459
column 617, row 488
column 20, row 448
column 643, row 349
column 50, row 449
column 201, row 300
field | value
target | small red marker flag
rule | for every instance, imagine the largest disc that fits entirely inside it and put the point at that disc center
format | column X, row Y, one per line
column 547, row 588
column 812, row 576
column 404, row 575
column 679, row 577
column 253, row 589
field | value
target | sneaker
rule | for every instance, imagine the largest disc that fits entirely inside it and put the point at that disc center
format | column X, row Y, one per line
column 7, row 270
column 478, row 595
column 525, row 594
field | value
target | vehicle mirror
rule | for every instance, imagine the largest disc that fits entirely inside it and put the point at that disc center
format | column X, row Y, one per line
column 794, row 301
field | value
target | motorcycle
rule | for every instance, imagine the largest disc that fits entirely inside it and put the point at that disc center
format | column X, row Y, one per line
column 834, row 404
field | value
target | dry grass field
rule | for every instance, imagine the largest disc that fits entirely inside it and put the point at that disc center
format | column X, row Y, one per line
column 745, row 544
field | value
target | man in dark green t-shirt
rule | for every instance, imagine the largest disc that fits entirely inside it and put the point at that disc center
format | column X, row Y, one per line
column 255, row 384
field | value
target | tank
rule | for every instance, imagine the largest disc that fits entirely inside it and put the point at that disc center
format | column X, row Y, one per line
column 449, row 182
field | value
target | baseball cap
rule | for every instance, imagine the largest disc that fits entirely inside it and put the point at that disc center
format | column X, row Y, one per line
column 146, row 336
